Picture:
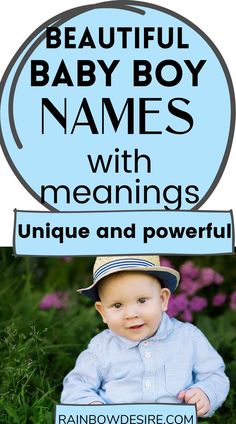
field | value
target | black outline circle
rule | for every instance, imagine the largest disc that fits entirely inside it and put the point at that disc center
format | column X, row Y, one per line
column 132, row 6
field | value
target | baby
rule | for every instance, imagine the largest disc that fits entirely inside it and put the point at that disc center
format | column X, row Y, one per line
column 144, row 356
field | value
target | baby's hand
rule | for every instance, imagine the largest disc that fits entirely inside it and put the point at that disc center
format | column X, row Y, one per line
column 198, row 397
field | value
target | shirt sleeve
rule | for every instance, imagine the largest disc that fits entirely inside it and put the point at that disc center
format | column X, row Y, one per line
column 81, row 385
column 209, row 374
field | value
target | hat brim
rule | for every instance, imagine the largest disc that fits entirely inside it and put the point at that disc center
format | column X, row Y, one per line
column 169, row 278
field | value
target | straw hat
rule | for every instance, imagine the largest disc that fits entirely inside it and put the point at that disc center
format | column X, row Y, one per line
column 107, row 265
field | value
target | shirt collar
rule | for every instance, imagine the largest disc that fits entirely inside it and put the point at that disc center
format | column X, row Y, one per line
column 165, row 328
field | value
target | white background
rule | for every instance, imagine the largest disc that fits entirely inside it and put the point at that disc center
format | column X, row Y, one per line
column 20, row 19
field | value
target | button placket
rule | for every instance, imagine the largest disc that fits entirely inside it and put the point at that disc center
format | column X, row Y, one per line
column 148, row 382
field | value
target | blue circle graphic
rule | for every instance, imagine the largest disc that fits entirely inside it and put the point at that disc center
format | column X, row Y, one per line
column 118, row 106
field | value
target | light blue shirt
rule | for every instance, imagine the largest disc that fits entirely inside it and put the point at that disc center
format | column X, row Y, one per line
column 116, row 370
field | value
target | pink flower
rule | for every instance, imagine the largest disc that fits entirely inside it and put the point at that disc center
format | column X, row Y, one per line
column 233, row 301
column 197, row 303
column 219, row 299
column 187, row 315
column 56, row 300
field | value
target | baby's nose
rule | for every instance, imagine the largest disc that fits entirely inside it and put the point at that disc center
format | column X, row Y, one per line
column 131, row 311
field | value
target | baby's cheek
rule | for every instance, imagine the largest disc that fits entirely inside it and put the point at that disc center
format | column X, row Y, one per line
column 114, row 324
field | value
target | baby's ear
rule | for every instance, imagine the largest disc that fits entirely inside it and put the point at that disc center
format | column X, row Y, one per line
column 100, row 309
column 165, row 297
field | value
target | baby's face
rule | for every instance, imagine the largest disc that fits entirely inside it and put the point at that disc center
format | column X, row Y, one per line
column 131, row 304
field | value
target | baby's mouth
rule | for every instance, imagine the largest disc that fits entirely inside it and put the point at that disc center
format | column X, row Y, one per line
column 136, row 327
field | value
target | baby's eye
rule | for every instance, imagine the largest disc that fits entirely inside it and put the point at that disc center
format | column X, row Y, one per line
column 142, row 300
column 117, row 305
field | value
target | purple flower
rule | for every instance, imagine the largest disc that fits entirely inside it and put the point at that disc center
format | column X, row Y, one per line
column 187, row 315
column 219, row 279
column 178, row 303
column 233, row 301
column 172, row 308
column 57, row 300
column 219, row 299
column 166, row 262
column 188, row 285
column 188, row 269
column 181, row 302
column 197, row 303
column 207, row 276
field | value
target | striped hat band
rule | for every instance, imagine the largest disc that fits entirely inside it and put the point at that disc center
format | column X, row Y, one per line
column 107, row 265
column 117, row 266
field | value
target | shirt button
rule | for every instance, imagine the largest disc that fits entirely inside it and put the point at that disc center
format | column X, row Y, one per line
column 146, row 343
column 147, row 355
column 148, row 384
